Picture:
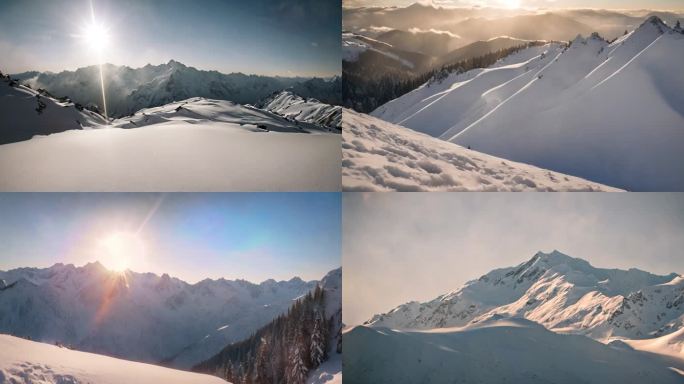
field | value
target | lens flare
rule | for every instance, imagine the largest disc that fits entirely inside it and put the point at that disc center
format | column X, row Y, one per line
column 121, row 250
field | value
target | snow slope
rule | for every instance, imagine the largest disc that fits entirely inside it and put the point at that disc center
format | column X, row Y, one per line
column 612, row 113
column 563, row 294
column 294, row 107
column 194, row 145
column 498, row 351
column 139, row 316
column 26, row 113
column 23, row 361
column 379, row 156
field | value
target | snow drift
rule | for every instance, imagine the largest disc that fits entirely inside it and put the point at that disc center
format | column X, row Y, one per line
column 379, row 156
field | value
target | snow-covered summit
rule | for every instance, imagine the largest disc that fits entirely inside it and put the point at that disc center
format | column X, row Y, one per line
column 560, row 292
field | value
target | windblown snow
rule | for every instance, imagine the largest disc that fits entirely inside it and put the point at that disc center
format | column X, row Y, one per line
column 24, row 361
column 608, row 112
column 380, row 156
column 193, row 145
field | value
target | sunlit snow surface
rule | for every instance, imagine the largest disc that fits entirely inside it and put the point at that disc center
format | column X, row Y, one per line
column 194, row 145
column 498, row 351
column 24, row 361
column 380, row 156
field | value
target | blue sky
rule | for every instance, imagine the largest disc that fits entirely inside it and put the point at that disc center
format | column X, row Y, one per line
column 271, row 37
column 399, row 247
column 254, row 236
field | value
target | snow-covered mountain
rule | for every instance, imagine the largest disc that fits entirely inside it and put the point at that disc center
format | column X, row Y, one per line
column 551, row 319
column 380, row 156
column 498, row 351
column 193, row 145
column 610, row 112
column 26, row 113
column 563, row 294
column 296, row 108
column 23, row 361
column 131, row 89
column 139, row 316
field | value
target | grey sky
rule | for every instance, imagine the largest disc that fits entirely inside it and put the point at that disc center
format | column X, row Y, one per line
column 399, row 247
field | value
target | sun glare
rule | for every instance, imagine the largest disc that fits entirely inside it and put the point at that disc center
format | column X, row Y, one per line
column 511, row 3
column 96, row 36
column 121, row 250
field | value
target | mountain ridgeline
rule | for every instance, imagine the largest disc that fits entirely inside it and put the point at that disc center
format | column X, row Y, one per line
column 372, row 79
column 139, row 316
column 131, row 89
column 287, row 349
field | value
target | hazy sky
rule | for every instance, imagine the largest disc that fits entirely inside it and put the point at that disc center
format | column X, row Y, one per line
column 272, row 37
column 254, row 236
column 399, row 247
column 605, row 4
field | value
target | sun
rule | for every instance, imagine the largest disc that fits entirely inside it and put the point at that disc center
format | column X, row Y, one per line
column 96, row 36
column 121, row 250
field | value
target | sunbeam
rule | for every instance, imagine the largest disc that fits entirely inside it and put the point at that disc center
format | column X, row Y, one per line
column 97, row 37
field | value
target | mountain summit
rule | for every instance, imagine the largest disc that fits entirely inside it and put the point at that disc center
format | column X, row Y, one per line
column 561, row 293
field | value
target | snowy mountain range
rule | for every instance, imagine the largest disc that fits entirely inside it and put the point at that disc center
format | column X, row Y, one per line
column 192, row 145
column 380, row 156
column 139, row 316
column 131, row 89
column 610, row 112
column 553, row 318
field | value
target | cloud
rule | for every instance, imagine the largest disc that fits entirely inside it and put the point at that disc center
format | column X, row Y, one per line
column 416, row 30
column 380, row 29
